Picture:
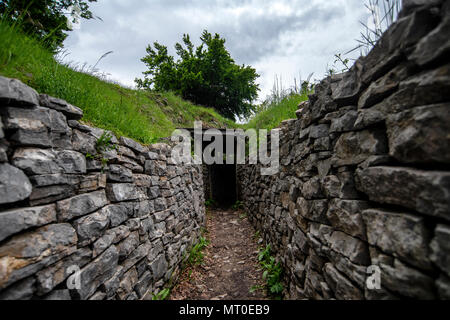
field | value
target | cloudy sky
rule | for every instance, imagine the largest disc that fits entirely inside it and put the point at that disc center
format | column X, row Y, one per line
column 287, row 38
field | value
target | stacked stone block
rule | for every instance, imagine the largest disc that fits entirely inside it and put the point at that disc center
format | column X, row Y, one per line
column 125, row 227
column 365, row 177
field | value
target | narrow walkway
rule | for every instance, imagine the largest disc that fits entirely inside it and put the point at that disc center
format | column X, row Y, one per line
column 230, row 268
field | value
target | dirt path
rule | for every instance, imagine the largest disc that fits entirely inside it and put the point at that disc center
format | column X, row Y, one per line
column 230, row 268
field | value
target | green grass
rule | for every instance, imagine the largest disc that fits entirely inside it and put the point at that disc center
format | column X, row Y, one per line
column 140, row 115
column 276, row 113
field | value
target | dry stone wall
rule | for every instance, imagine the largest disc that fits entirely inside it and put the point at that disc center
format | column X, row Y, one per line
column 365, row 177
column 123, row 229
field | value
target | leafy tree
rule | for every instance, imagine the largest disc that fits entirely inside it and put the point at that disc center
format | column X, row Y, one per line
column 46, row 19
column 206, row 75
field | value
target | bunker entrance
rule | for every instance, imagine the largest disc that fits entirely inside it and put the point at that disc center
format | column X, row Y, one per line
column 219, row 180
column 223, row 184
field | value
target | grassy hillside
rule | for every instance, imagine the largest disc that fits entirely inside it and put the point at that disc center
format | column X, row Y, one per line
column 140, row 115
column 277, row 112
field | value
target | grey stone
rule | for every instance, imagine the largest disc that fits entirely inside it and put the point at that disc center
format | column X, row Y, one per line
column 81, row 205
column 133, row 145
column 136, row 256
column 97, row 272
column 14, row 221
column 59, row 295
column 159, row 267
column 319, row 131
column 22, row 290
column 98, row 296
column 84, row 143
column 345, row 215
column 14, row 184
column 122, row 192
column 341, row 286
column 70, row 111
column 346, row 92
column 352, row 248
column 25, row 254
column 117, row 173
column 399, row 278
column 13, row 91
column 128, row 245
column 129, row 279
column 91, row 227
column 312, row 189
column 443, row 287
column 440, row 247
column 425, row 88
column 119, row 213
column 315, row 210
column 436, row 44
column 369, row 117
column 160, row 204
column 420, row 135
column 143, row 284
column 355, row 147
column 40, row 161
column 344, row 123
column 120, row 233
column 400, row 234
column 426, row 192
column 50, row 277
column 102, row 244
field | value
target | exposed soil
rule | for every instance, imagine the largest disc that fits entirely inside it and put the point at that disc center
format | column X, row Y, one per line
column 230, row 268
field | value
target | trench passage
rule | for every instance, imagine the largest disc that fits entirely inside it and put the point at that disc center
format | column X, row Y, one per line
column 230, row 268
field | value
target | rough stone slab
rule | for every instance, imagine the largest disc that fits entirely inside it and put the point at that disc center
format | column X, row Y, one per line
column 425, row 88
column 443, row 286
column 70, row 111
column 400, row 234
column 117, row 173
column 22, row 290
column 81, row 205
column 420, row 135
column 97, row 272
column 159, row 267
column 440, row 248
column 25, row 254
column 84, row 143
column 346, row 92
column 45, row 161
column 102, row 244
column 403, row 280
column 91, row 227
column 14, row 184
column 345, row 215
column 128, row 245
column 48, row 278
column 122, row 192
column 14, row 92
column 130, row 143
column 341, row 286
column 350, row 247
column 355, row 147
column 426, row 192
column 119, row 213
column 14, row 221
column 436, row 44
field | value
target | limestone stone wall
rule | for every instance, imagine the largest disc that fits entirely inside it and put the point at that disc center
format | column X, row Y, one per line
column 123, row 228
column 364, row 183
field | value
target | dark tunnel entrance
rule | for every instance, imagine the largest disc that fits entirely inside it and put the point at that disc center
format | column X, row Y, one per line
column 219, row 179
column 223, row 184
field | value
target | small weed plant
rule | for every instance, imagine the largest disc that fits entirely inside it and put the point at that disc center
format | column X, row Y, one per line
column 162, row 295
column 273, row 273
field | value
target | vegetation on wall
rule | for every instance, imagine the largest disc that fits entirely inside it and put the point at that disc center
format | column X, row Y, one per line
column 206, row 75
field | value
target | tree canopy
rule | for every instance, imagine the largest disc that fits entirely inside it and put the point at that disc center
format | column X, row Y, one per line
column 48, row 20
column 205, row 75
